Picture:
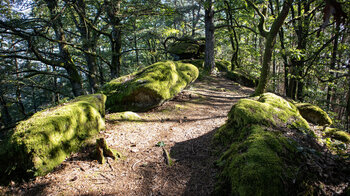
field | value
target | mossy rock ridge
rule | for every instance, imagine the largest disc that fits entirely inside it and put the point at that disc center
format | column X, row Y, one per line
column 314, row 114
column 259, row 159
column 237, row 75
column 149, row 87
column 187, row 48
column 42, row 142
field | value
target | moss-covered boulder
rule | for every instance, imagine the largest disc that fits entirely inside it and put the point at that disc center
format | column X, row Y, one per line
column 314, row 114
column 337, row 134
column 187, row 48
column 259, row 157
column 149, row 87
column 37, row 145
column 238, row 75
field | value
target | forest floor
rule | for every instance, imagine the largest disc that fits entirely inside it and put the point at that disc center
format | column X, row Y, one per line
column 185, row 124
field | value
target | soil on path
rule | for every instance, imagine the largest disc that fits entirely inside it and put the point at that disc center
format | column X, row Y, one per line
column 185, row 124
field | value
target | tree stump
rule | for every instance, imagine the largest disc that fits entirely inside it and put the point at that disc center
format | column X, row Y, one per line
column 102, row 151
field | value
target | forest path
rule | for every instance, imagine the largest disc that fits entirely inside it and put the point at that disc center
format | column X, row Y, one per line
column 185, row 124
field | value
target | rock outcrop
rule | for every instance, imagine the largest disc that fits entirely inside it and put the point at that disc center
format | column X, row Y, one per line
column 237, row 75
column 149, row 87
column 37, row 145
column 187, row 48
column 314, row 114
column 259, row 158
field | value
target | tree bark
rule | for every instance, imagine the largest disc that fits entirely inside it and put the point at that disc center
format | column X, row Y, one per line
column 68, row 64
column 209, row 58
column 89, row 40
column 269, row 44
column 5, row 114
column 113, row 12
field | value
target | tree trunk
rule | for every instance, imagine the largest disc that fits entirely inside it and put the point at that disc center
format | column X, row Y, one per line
column 113, row 12
column 269, row 44
column 209, row 59
column 89, row 40
column 116, row 43
column 330, row 89
column 5, row 114
column 68, row 64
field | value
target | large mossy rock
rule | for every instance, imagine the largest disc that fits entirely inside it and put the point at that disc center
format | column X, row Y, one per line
column 149, row 87
column 37, row 145
column 237, row 75
column 187, row 48
column 314, row 114
column 260, row 158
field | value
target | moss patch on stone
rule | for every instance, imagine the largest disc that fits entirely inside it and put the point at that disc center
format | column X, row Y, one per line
column 149, row 87
column 314, row 114
column 37, row 145
column 223, row 65
column 237, row 75
column 187, row 48
column 128, row 116
column 338, row 134
column 258, row 158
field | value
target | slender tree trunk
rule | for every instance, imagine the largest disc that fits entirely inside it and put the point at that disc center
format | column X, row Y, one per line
column 68, row 64
column 135, row 44
column 330, row 89
column 113, row 12
column 116, row 43
column 233, row 37
column 5, row 114
column 269, row 45
column 55, row 96
column 89, row 40
column 209, row 59
column 18, row 92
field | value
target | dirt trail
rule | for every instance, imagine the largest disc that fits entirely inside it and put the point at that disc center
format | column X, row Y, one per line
column 186, row 126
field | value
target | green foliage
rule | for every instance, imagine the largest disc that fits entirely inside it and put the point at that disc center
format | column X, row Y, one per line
column 37, row 145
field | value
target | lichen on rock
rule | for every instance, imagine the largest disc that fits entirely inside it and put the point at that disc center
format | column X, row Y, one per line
column 259, row 155
column 314, row 114
column 37, row 145
column 149, row 87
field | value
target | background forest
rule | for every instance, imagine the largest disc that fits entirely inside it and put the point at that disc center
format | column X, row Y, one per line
column 53, row 50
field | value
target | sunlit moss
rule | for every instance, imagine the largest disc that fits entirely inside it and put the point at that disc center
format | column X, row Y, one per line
column 314, row 114
column 257, row 155
column 149, row 87
column 130, row 116
column 338, row 134
column 42, row 142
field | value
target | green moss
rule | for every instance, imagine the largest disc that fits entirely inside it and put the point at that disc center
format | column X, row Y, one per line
column 269, row 110
column 338, row 134
column 314, row 114
column 241, row 78
column 149, row 87
column 187, row 48
column 223, row 65
column 199, row 63
column 42, row 142
column 253, row 164
column 130, row 116
column 258, row 156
